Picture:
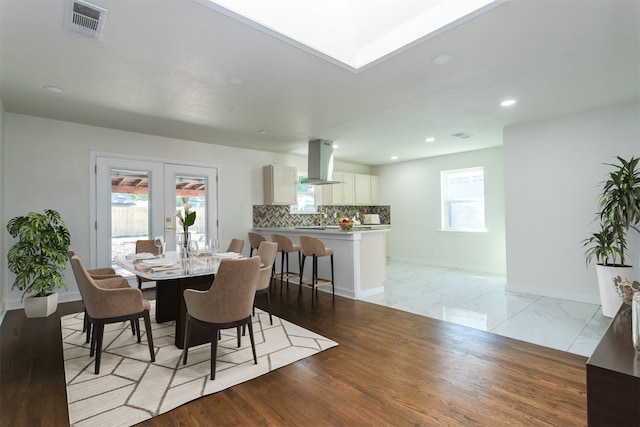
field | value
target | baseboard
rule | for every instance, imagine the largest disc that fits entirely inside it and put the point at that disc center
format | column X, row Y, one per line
column 446, row 265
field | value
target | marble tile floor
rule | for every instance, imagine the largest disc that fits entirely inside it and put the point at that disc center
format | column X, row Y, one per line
column 479, row 300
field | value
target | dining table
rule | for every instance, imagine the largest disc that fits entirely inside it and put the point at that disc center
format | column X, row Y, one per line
column 173, row 274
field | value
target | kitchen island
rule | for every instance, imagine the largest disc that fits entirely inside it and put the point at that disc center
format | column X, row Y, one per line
column 359, row 256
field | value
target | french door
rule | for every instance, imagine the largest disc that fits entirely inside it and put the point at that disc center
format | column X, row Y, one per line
column 137, row 200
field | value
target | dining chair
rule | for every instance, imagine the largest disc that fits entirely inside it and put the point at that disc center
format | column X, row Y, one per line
column 254, row 241
column 100, row 275
column 148, row 246
column 106, row 306
column 267, row 252
column 312, row 247
column 236, row 246
column 227, row 304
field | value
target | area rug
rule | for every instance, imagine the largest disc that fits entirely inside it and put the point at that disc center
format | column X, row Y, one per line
column 131, row 389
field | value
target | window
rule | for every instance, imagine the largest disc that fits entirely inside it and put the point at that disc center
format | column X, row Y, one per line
column 463, row 200
column 306, row 196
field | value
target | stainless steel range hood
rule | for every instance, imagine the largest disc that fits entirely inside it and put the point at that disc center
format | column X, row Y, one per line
column 320, row 163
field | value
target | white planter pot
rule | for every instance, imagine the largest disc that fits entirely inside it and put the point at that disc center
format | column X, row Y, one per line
column 40, row 306
column 609, row 297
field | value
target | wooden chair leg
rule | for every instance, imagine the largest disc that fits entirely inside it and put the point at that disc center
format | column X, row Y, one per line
column 333, row 286
column 253, row 344
column 301, row 272
column 269, row 307
column 147, row 328
column 187, row 335
column 99, row 332
column 136, row 326
column 214, row 353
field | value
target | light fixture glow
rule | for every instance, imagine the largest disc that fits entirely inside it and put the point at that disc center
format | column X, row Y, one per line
column 430, row 139
column 53, row 89
column 236, row 81
column 263, row 132
column 508, row 102
column 442, row 59
column 394, row 157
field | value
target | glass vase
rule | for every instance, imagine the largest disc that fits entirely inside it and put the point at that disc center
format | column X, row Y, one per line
column 635, row 321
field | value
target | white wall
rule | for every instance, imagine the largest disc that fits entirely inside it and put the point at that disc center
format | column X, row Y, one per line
column 47, row 166
column 413, row 191
column 552, row 172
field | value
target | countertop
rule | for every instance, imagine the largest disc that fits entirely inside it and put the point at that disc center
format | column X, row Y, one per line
column 328, row 229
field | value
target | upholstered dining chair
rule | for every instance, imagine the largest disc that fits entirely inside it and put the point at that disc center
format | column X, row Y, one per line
column 254, row 241
column 148, row 246
column 312, row 247
column 227, row 304
column 236, row 245
column 96, row 273
column 105, row 306
column 99, row 275
column 267, row 252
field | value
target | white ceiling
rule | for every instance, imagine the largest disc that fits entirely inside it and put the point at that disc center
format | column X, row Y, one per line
column 164, row 67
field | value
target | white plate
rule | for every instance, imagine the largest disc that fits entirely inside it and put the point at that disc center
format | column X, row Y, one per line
column 156, row 262
column 142, row 255
column 227, row 255
column 171, row 267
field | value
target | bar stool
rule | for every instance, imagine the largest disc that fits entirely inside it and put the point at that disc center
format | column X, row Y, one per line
column 254, row 241
column 315, row 248
column 285, row 247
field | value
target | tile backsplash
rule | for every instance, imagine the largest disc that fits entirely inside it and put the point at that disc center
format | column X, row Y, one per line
column 279, row 216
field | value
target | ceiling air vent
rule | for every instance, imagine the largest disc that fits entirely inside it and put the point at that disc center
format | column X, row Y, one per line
column 85, row 18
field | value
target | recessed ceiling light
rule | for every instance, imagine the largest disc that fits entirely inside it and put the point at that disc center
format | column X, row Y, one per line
column 236, row 81
column 336, row 146
column 430, row 139
column 394, row 157
column 263, row 131
column 53, row 89
column 508, row 102
column 442, row 59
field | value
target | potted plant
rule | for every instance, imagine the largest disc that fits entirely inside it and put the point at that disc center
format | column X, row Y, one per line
column 39, row 259
column 619, row 204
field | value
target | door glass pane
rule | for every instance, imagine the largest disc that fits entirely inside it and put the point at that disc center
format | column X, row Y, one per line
column 195, row 189
column 129, row 210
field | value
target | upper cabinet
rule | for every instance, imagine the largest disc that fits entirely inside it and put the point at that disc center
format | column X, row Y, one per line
column 280, row 186
column 362, row 189
column 353, row 189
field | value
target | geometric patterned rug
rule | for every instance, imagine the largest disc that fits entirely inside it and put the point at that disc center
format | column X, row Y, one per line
column 131, row 389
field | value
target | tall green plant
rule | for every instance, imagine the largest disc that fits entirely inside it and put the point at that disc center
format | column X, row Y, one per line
column 601, row 246
column 619, row 204
column 39, row 258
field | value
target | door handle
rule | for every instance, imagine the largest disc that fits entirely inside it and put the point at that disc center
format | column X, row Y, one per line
column 170, row 228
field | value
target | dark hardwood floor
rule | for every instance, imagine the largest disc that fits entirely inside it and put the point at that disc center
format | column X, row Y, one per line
column 390, row 368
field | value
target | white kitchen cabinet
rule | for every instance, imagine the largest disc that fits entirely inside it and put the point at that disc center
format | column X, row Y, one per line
column 354, row 189
column 374, row 190
column 341, row 193
column 280, row 186
column 362, row 189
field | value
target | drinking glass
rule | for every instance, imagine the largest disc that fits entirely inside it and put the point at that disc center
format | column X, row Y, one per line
column 160, row 244
column 193, row 248
column 214, row 245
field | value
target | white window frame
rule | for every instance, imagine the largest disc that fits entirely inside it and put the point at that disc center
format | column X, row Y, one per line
column 293, row 209
column 446, row 200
